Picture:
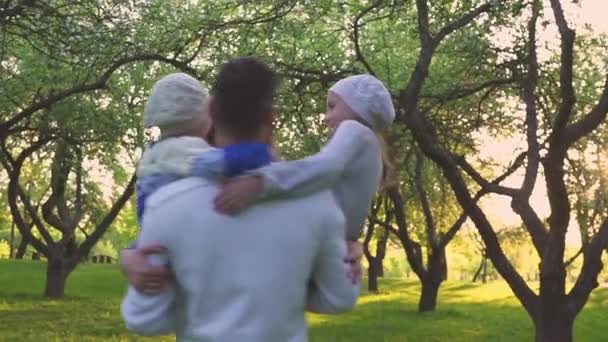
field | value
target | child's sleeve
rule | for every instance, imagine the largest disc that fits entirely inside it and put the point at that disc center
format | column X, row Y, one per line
column 140, row 200
column 321, row 170
column 209, row 164
column 232, row 160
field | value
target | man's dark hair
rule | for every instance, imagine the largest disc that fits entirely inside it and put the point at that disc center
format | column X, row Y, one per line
column 243, row 96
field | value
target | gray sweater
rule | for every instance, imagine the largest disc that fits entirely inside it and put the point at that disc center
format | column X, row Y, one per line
column 242, row 278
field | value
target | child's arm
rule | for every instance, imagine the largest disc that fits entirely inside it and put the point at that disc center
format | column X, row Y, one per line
column 321, row 170
column 298, row 177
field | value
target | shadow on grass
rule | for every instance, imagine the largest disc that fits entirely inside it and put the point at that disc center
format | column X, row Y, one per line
column 499, row 319
column 454, row 322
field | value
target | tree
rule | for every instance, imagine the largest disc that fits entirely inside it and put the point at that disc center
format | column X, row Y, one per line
column 553, row 309
column 365, row 46
column 381, row 237
column 434, row 271
column 66, row 118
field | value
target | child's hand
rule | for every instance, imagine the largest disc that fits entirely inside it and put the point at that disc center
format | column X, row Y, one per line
column 354, row 252
column 238, row 194
column 145, row 277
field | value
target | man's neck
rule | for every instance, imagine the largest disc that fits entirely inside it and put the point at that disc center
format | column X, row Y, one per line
column 222, row 140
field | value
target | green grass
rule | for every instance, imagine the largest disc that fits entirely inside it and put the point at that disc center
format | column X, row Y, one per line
column 466, row 312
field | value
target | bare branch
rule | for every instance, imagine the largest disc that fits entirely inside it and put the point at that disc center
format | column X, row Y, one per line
column 485, row 190
column 592, row 266
column 368, row 237
column 424, row 29
column 424, row 200
column 412, row 248
column 311, row 75
column 533, row 224
column 356, row 28
column 574, row 257
column 84, row 232
column 566, row 76
column 409, row 96
column 461, row 22
column 554, row 162
column 7, row 12
column 492, row 187
column 529, row 84
column 428, row 44
column 103, row 226
column 375, row 208
column 13, row 193
column 590, row 121
column 460, row 92
column 386, row 226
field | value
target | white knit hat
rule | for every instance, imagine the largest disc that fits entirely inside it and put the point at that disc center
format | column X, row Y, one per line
column 368, row 98
column 176, row 102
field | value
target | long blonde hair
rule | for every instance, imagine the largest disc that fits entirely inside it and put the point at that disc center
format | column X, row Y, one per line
column 389, row 177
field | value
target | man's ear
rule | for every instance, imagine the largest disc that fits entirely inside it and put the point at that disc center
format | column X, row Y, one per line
column 271, row 116
column 212, row 109
column 209, row 135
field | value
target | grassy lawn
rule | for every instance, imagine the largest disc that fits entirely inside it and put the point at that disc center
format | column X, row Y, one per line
column 466, row 312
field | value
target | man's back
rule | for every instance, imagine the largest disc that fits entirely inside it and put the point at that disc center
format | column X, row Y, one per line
column 245, row 278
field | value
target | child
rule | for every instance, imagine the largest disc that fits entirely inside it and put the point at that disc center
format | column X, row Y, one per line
column 177, row 105
column 351, row 164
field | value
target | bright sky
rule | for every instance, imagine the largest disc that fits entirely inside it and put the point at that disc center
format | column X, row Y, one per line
column 498, row 208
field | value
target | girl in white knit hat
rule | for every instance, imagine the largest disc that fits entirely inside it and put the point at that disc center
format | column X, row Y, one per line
column 359, row 108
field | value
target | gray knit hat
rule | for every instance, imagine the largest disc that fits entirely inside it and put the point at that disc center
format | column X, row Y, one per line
column 368, row 98
column 176, row 102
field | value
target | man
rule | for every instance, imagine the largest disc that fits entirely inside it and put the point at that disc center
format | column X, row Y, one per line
column 241, row 278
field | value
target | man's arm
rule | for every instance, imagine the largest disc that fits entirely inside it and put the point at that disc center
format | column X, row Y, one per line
column 331, row 290
column 150, row 314
column 145, row 277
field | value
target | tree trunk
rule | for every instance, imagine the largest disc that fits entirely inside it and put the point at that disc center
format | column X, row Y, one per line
column 436, row 274
column 484, row 272
column 381, row 253
column 428, row 297
column 554, row 318
column 22, row 248
column 373, row 272
column 11, row 246
column 372, row 280
column 478, row 273
column 56, row 275
column 554, row 326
